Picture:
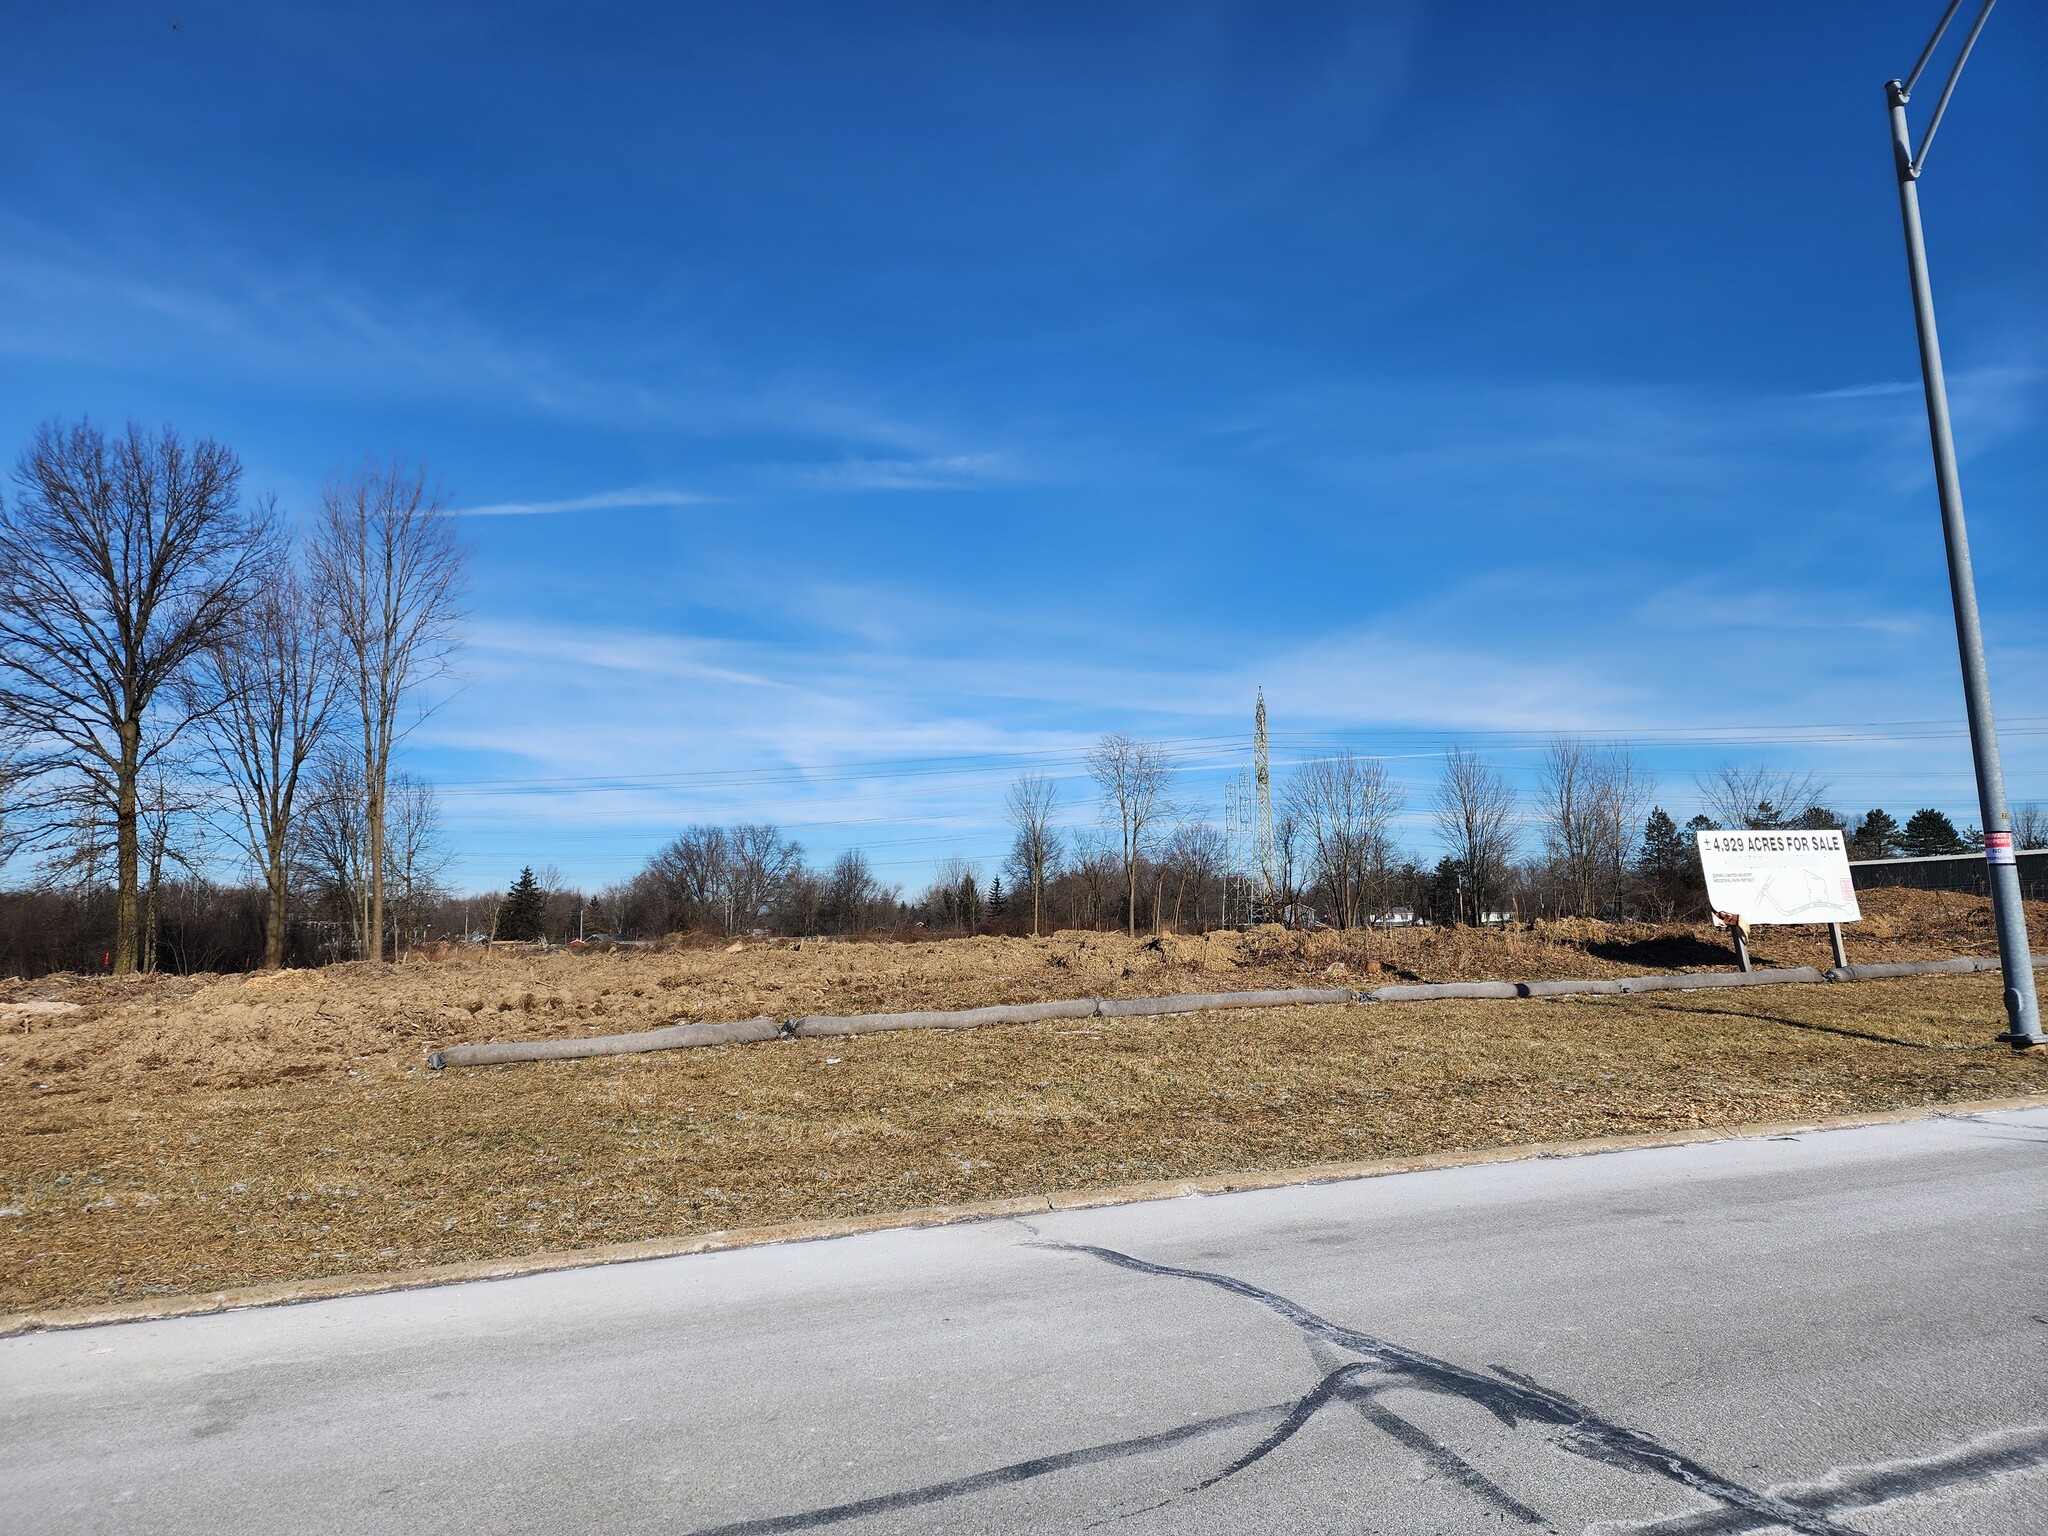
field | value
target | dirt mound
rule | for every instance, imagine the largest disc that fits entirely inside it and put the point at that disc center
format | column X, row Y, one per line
column 158, row 1034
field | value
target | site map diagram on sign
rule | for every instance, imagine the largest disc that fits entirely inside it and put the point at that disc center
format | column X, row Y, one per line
column 1779, row 877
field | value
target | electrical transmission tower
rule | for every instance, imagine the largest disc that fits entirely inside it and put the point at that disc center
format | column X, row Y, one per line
column 1263, row 778
column 1237, row 846
column 1248, row 863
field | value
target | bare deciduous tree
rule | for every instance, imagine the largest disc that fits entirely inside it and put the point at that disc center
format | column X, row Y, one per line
column 1193, row 860
column 389, row 575
column 165, row 806
column 333, row 838
column 1475, row 808
column 415, row 855
column 1033, row 799
column 1593, row 800
column 272, row 692
column 2029, row 825
column 1346, row 804
column 1133, row 776
column 121, row 561
column 954, row 896
column 691, row 876
column 854, row 898
column 1288, row 837
column 1094, row 874
column 1759, row 796
column 762, row 859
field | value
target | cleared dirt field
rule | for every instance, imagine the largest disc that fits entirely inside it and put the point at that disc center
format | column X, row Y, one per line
column 176, row 1134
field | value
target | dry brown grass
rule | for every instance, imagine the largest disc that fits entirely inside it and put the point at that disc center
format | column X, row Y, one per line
column 144, row 1037
column 317, row 1146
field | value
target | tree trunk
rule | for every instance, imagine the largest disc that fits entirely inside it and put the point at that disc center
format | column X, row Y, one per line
column 147, row 963
column 274, row 920
column 127, row 853
column 374, row 940
column 1037, row 895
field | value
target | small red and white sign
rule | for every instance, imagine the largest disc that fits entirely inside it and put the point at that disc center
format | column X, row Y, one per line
column 1998, row 848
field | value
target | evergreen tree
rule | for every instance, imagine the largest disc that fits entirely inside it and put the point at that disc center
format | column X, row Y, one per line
column 1877, row 836
column 1929, row 832
column 1668, row 863
column 1666, row 850
column 998, row 899
column 524, row 907
column 1443, row 896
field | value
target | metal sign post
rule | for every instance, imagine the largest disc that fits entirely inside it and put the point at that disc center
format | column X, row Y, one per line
column 2022, row 1007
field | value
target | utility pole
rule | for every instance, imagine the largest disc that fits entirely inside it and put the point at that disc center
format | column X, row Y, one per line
column 2022, row 1006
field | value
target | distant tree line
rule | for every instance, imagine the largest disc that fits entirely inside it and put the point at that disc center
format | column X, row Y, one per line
column 747, row 877
column 1587, row 842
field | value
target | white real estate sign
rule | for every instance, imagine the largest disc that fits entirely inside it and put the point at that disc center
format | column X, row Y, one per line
column 1779, row 877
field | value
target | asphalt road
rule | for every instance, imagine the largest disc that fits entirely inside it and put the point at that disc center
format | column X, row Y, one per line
column 1843, row 1331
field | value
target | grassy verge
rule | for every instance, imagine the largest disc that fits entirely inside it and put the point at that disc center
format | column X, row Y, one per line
column 123, row 1199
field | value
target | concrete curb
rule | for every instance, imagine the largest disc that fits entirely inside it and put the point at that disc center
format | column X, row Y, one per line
column 291, row 1292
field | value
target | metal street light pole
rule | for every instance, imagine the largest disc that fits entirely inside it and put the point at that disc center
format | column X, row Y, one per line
column 2022, row 1007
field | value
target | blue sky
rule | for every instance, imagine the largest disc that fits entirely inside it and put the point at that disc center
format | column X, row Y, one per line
column 859, row 404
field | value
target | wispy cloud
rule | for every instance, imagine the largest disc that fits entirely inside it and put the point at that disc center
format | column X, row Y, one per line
column 955, row 472
column 200, row 301
column 597, row 502
column 1865, row 391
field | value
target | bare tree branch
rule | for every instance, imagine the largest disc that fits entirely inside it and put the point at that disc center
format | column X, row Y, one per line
column 1759, row 796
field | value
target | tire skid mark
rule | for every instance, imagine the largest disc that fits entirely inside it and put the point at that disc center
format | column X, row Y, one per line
column 1447, row 1461
column 1438, row 1457
column 2001, row 1453
column 1001, row 1477
column 1508, row 1396
column 1305, row 1408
